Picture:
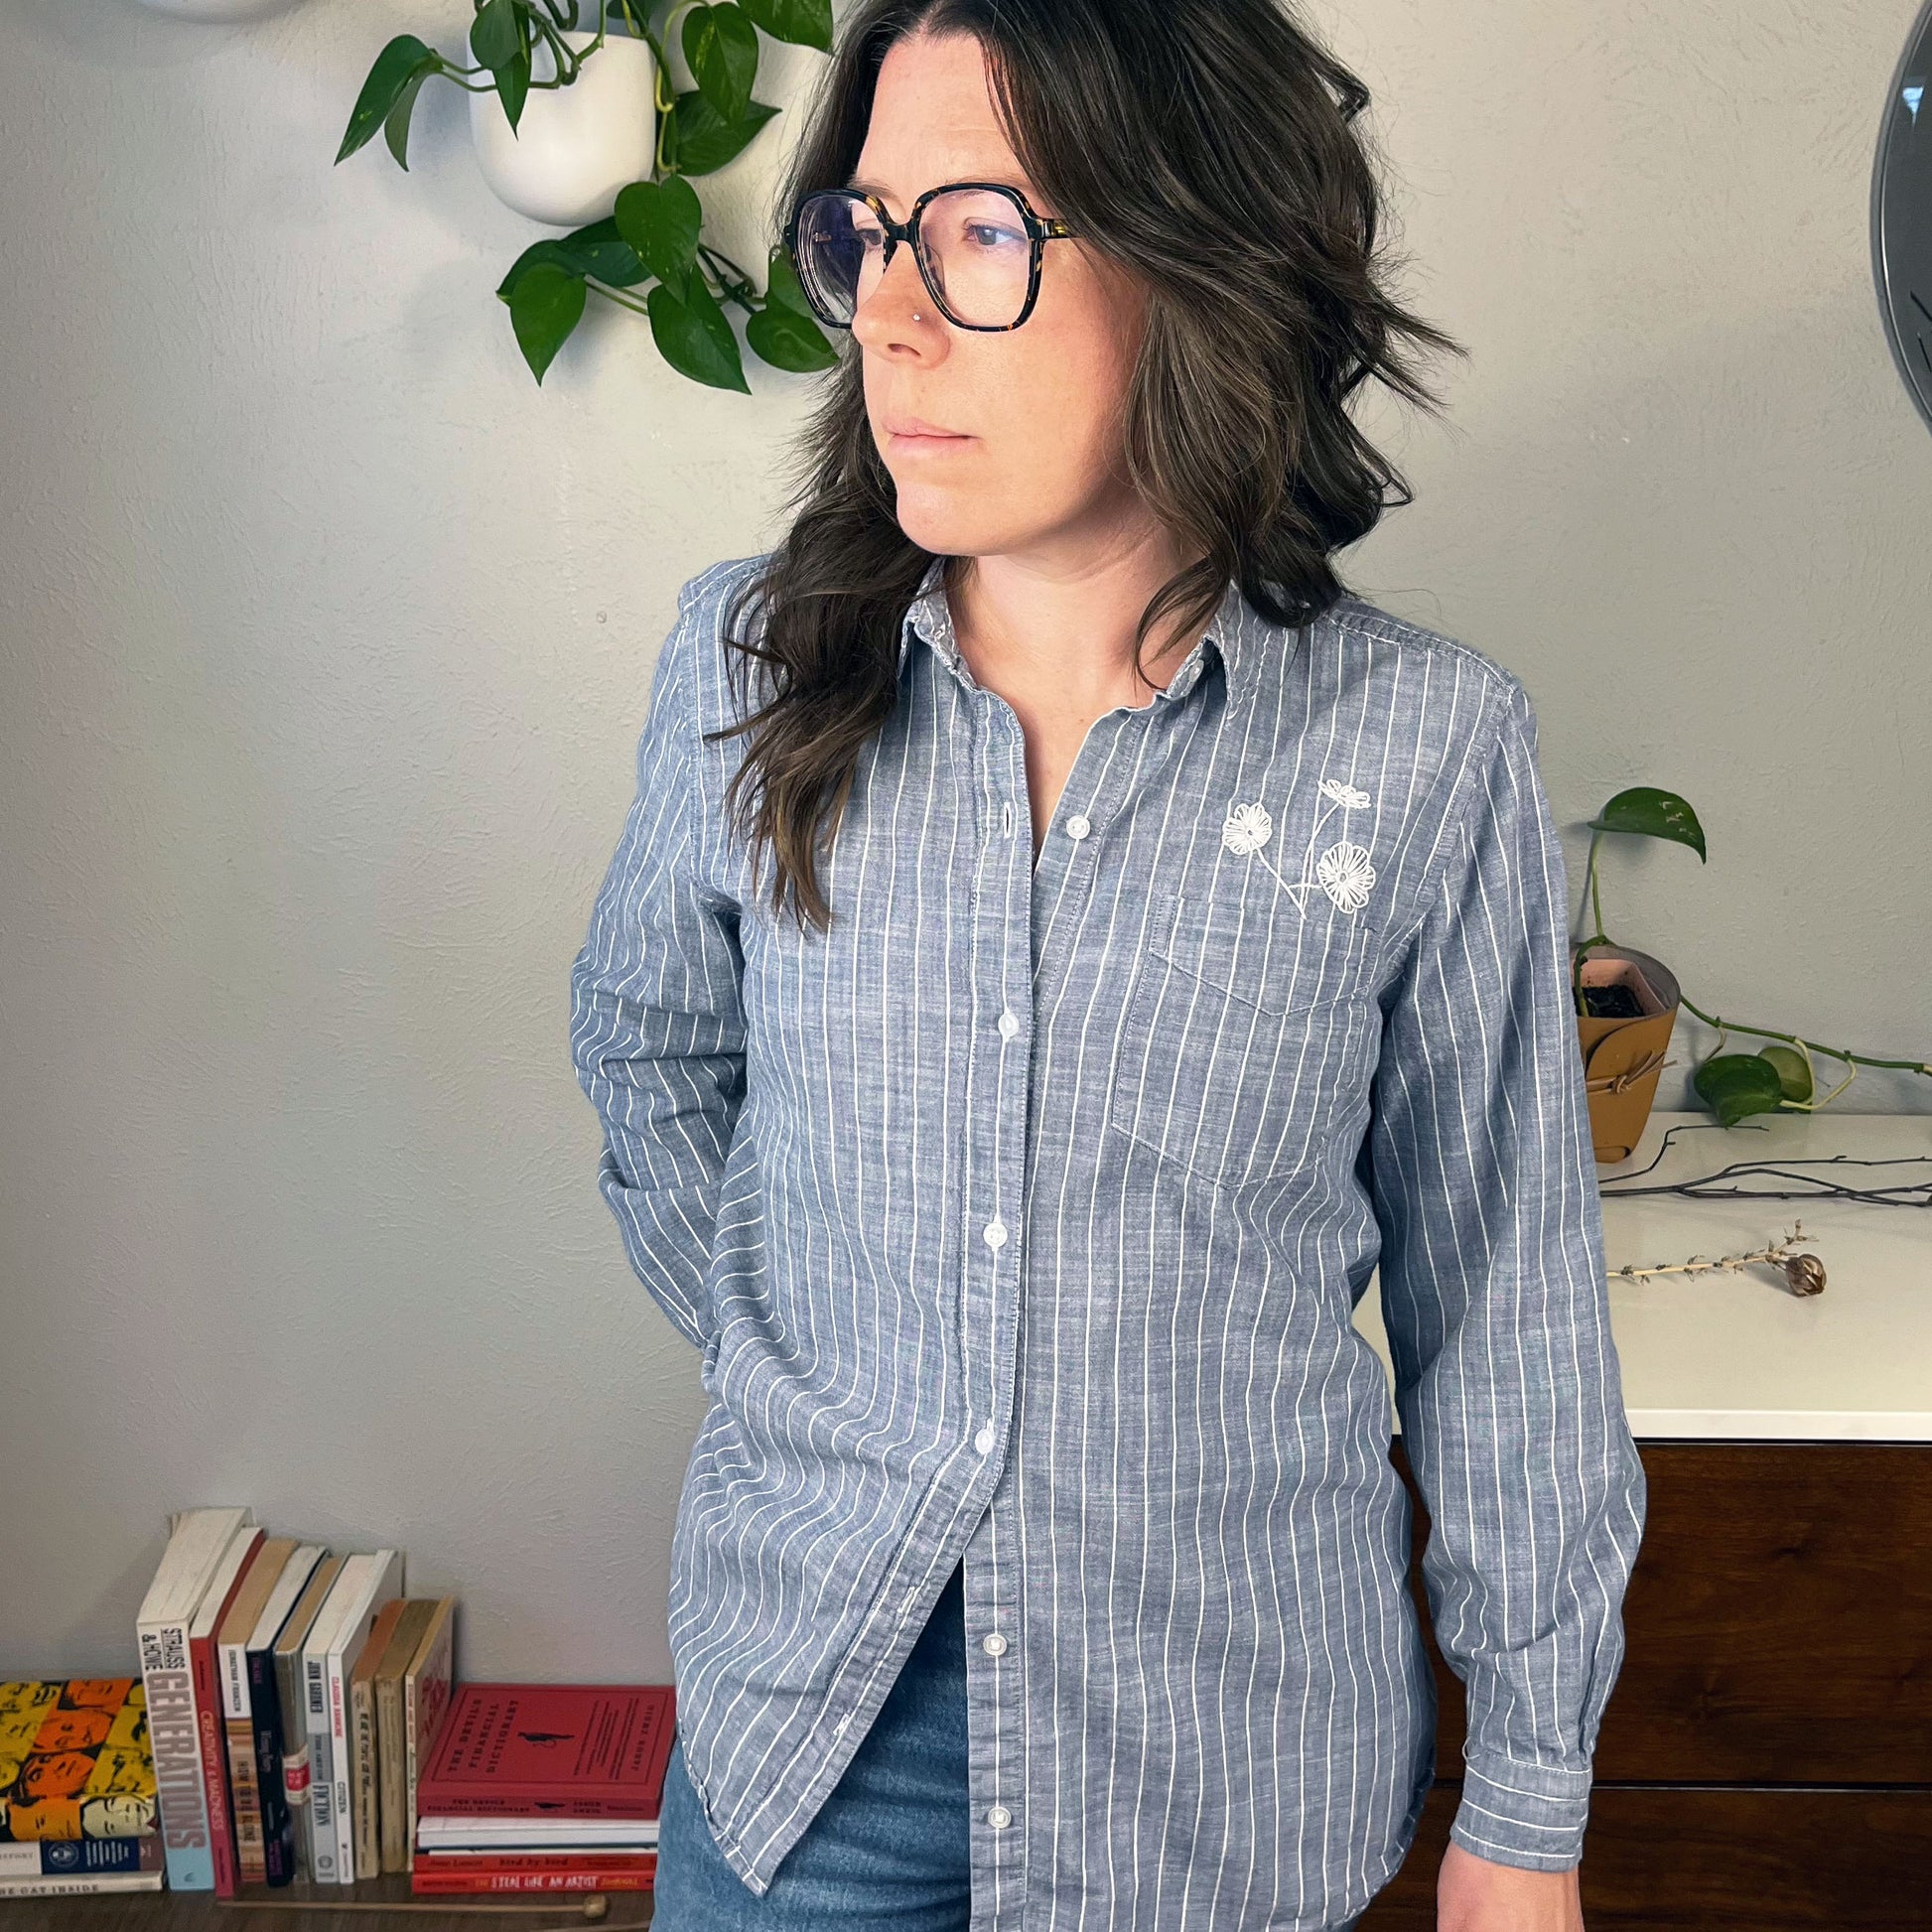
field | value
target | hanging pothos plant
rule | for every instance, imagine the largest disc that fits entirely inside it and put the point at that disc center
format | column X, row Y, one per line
column 1778, row 1078
column 649, row 254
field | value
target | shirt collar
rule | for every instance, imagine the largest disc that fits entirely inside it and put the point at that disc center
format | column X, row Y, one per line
column 1237, row 632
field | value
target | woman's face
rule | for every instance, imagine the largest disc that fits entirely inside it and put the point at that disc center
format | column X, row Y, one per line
column 1034, row 459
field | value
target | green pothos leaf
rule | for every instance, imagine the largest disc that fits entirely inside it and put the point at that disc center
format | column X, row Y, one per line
column 546, row 303
column 405, row 60
column 706, row 140
column 1734, row 1085
column 789, row 341
column 396, row 123
column 695, row 336
column 721, row 47
column 805, row 22
column 1656, row 814
column 661, row 221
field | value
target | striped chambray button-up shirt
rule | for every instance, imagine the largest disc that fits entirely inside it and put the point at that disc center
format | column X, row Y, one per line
column 1021, row 1217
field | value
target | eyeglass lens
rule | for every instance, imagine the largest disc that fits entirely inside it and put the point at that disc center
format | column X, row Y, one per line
column 977, row 252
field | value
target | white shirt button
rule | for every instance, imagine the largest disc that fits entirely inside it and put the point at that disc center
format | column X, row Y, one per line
column 996, row 1233
column 983, row 1442
column 1077, row 826
column 994, row 1645
column 998, row 1818
column 843, row 1722
column 1009, row 1023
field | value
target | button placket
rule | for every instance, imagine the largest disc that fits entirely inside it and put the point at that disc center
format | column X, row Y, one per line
column 1003, row 735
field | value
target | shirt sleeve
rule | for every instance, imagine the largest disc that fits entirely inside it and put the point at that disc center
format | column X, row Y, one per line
column 658, row 1026
column 1494, row 1297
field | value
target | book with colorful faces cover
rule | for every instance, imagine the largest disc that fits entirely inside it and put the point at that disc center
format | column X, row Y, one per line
column 551, row 1751
column 78, row 1808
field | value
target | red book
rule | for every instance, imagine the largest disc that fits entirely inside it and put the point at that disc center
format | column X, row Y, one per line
column 432, row 1878
column 550, row 1750
column 211, row 1739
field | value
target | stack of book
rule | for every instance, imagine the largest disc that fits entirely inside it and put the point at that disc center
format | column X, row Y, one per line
column 296, row 1719
column 284, row 1687
column 76, row 1788
column 544, row 1787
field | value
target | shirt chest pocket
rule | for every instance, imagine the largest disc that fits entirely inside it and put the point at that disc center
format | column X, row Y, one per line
column 1239, row 1027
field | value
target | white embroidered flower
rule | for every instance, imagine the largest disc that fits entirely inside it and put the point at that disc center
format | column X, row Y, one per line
column 1344, row 872
column 1247, row 828
column 1342, row 795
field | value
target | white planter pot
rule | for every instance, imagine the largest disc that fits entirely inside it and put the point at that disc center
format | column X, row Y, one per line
column 215, row 10
column 575, row 146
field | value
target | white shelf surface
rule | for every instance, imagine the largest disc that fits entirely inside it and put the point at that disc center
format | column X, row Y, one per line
column 1738, row 1355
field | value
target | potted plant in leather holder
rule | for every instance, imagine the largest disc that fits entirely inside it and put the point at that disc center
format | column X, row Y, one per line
column 1626, row 1002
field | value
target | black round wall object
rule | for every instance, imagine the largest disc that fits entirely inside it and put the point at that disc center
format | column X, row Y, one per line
column 1901, row 215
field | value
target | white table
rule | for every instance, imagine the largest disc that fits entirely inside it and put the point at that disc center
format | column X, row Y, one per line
column 1738, row 1356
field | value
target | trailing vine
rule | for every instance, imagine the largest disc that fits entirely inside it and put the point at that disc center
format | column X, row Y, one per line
column 649, row 255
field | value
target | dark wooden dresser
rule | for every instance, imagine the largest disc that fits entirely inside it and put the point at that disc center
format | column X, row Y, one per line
column 1765, row 1763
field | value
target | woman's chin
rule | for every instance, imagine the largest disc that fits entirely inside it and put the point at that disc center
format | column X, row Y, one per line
column 938, row 523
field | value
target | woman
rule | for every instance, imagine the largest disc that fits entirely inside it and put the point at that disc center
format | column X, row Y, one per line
column 1061, row 942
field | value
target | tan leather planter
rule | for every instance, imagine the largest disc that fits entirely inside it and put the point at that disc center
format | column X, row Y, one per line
column 1623, row 1057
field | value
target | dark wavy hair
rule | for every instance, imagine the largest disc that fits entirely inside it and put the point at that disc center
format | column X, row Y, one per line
column 1210, row 147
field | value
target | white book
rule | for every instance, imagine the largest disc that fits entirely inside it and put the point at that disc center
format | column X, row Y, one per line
column 197, row 1541
column 379, row 1580
column 350, row 1584
column 453, row 1833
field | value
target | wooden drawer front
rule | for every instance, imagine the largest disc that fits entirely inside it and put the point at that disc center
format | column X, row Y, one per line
column 1664, row 1861
column 1778, row 1623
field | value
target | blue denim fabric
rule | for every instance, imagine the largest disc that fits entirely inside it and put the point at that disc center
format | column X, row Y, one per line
column 891, row 1851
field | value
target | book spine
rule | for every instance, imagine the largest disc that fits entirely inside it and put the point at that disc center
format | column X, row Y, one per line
column 367, row 1832
column 295, row 1789
column 415, row 1747
column 591, row 1879
column 243, row 1795
column 322, row 1805
column 582, row 1859
column 212, row 1742
column 246, row 1800
column 181, row 1796
column 66, row 1858
column 295, row 1759
column 517, row 1800
column 265, row 1714
column 341, row 1771
column 68, row 1887
column 389, row 1750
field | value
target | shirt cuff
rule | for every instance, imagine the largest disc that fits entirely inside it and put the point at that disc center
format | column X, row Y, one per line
column 1530, row 1815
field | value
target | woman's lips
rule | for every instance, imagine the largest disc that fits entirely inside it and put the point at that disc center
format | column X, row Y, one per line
column 913, row 433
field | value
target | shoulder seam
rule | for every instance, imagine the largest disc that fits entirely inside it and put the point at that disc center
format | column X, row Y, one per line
column 1391, row 629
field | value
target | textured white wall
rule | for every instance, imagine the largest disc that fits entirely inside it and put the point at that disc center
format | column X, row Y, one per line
column 325, row 637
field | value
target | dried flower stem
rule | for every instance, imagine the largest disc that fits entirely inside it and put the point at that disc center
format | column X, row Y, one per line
column 1804, row 1273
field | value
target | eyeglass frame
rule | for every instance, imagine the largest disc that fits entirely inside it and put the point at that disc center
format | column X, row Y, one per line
column 1041, row 229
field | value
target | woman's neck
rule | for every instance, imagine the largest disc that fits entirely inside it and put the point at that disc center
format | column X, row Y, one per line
column 1062, row 632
